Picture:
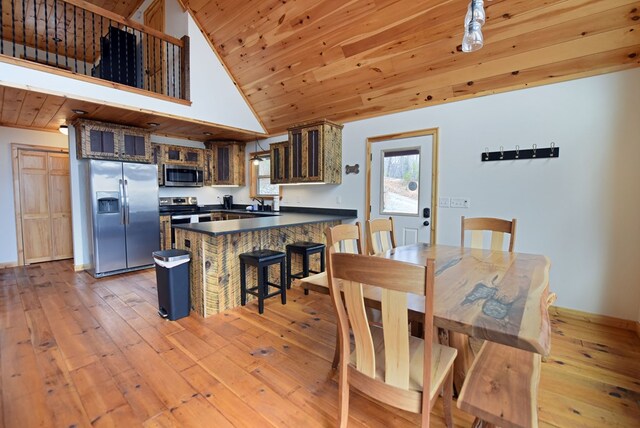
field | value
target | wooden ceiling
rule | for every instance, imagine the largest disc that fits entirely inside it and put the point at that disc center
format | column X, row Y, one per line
column 349, row 59
column 29, row 109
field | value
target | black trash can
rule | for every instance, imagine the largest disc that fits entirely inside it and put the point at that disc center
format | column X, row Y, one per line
column 172, row 277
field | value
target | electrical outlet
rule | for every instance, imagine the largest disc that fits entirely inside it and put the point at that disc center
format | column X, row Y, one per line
column 460, row 203
column 444, row 202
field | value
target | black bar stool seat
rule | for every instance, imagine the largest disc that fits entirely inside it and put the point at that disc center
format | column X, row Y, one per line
column 261, row 260
column 305, row 249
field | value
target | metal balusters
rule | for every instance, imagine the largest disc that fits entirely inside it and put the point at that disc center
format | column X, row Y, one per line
column 110, row 62
column 66, row 51
column 46, row 33
column 126, row 55
column 101, row 52
column 13, row 26
column 55, row 23
column 1, row 30
column 84, row 39
column 35, row 25
column 93, row 40
column 153, row 70
column 166, row 48
column 118, row 55
column 75, row 37
column 147, row 71
column 140, row 74
column 24, row 28
column 173, row 61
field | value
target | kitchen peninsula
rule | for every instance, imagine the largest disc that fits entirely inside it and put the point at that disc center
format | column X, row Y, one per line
column 216, row 245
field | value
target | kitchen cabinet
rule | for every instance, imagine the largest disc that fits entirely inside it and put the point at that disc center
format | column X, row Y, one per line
column 180, row 155
column 280, row 159
column 165, row 232
column 98, row 140
column 314, row 154
column 156, row 157
column 228, row 163
column 208, row 167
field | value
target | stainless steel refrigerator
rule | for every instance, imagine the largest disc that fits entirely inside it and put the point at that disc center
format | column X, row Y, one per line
column 125, row 219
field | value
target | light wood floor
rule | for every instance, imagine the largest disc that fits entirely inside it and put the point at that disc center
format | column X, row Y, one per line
column 79, row 352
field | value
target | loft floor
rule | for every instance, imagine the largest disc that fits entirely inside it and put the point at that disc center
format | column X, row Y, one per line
column 75, row 351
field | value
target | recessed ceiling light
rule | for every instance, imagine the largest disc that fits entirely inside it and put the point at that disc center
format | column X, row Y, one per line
column 207, row 133
column 78, row 111
column 64, row 129
column 154, row 124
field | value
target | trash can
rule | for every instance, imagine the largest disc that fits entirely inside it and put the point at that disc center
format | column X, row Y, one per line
column 172, row 276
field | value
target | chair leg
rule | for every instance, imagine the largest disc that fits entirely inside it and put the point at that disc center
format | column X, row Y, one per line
column 283, row 287
column 463, row 360
column 261, row 280
column 289, row 268
column 447, row 399
column 343, row 397
column 243, row 284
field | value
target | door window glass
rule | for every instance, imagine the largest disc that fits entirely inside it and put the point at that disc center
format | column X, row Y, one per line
column 400, row 181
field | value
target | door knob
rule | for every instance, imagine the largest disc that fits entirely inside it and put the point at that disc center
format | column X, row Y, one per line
column 426, row 223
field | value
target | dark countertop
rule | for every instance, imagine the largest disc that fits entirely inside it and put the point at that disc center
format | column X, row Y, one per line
column 216, row 228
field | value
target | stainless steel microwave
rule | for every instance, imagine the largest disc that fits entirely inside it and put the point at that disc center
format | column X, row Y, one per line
column 183, row 176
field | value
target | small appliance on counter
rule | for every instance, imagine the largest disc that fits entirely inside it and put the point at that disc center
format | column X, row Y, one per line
column 227, row 202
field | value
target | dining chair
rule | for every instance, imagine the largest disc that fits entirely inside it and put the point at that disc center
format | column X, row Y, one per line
column 388, row 364
column 498, row 227
column 477, row 226
column 343, row 238
column 380, row 235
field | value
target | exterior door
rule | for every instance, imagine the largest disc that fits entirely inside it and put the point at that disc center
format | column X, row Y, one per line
column 44, row 211
column 402, row 187
column 155, row 49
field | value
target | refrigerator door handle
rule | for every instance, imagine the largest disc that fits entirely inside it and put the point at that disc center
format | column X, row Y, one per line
column 126, row 202
column 122, row 202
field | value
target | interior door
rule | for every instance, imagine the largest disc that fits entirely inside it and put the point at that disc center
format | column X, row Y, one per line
column 141, row 213
column 60, row 206
column 401, row 186
column 155, row 49
column 34, row 205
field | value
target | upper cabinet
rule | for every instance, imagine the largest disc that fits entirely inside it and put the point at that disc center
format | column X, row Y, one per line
column 97, row 140
column 313, row 154
column 227, row 163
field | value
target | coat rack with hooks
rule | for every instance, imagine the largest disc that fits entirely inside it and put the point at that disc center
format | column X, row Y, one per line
column 534, row 152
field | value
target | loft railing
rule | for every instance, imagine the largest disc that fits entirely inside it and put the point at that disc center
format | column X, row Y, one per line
column 81, row 38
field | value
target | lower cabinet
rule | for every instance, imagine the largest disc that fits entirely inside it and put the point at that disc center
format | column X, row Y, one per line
column 165, row 232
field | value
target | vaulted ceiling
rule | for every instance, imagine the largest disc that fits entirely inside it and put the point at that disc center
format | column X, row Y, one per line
column 299, row 60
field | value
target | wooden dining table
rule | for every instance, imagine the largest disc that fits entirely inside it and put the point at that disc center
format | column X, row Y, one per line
column 492, row 295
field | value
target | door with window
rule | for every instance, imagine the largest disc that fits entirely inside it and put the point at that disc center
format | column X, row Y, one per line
column 403, row 184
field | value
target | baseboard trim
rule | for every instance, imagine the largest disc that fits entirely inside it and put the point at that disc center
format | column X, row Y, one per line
column 596, row 318
column 78, row 268
column 8, row 265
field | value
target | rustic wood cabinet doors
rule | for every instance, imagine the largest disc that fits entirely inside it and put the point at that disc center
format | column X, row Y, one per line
column 43, row 205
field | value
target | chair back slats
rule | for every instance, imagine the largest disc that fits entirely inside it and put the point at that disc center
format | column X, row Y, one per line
column 396, row 340
column 345, row 238
column 380, row 235
column 497, row 227
column 365, row 352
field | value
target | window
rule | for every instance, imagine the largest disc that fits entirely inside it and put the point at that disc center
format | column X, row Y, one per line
column 261, row 186
column 400, row 182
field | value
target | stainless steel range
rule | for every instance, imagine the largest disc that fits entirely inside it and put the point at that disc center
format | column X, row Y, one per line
column 183, row 210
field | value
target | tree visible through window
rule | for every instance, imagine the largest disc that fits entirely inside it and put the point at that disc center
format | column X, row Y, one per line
column 400, row 182
column 261, row 186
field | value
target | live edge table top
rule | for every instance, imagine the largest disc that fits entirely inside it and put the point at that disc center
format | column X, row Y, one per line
column 492, row 295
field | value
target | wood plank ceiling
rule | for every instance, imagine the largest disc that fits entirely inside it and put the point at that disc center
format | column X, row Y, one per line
column 29, row 109
column 348, row 59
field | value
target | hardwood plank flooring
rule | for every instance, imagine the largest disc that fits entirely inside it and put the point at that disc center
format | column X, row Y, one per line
column 75, row 351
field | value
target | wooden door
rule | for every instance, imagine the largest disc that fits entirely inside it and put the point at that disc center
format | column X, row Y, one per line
column 156, row 78
column 45, row 206
column 60, row 206
column 34, row 204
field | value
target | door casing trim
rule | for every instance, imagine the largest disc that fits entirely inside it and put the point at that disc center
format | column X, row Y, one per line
column 17, row 205
column 434, row 133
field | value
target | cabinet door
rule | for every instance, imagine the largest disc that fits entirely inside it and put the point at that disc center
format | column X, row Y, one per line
column 156, row 158
column 192, row 156
column 297, row 156
column 280, row 162
column 101, row 144
column 312, row 145
column 174, row 154
column 223, row 165
column 208, row 167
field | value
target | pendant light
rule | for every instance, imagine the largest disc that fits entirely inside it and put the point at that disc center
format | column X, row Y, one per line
column 255, row 158
column 475, row 18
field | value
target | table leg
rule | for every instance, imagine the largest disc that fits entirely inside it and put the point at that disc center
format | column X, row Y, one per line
column 463, row 360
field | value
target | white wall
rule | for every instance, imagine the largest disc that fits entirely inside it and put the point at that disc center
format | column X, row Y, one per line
column 581, row 210
column 214, row 96
column 9, row 247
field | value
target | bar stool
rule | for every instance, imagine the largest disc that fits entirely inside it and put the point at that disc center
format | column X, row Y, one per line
column 262, row 259
column 305, row 249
